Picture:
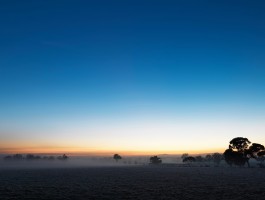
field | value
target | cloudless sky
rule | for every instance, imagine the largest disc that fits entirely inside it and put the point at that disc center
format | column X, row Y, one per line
column 128, row 76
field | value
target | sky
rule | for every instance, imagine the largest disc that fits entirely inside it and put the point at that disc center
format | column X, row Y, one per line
column 131, row 77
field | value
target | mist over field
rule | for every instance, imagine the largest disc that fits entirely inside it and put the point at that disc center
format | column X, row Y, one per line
column 108, row 161
column 84, row 161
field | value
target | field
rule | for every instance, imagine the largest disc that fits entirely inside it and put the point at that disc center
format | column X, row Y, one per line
column 138, row 182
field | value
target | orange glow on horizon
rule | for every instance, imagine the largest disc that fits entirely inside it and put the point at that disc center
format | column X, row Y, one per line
column 77, row 151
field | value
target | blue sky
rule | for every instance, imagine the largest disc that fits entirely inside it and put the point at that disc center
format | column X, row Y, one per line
column 81, row 64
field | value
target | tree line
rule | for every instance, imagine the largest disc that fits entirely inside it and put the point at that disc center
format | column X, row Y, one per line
column 215, row 158
column 34, row 157
column 240, row 151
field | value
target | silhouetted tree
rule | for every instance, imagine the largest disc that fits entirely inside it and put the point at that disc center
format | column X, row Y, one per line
column 8, row 158
column 217, row 157
column 184, row 155
column 32, row 157
column 117, row 157
column 29, row 157
column 198, row 158
column 14, row 157
column 253, row 150
column 64, row 157
column 261, row 158
column 189, row 159
column 208, row 157
column 17, row 157
column 51, row 158
column 239, row 144
column 155, row 160
column 229, row 156
column 238, row 155
column 239, row 151
column 261, row 153
column 235, row 157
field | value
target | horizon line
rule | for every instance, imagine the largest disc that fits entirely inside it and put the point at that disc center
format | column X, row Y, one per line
column 111, row 152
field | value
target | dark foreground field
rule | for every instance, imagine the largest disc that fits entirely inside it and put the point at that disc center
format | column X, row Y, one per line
column 143, row 182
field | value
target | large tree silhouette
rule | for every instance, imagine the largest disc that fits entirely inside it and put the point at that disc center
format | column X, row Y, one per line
column 239, row 144
column 235, row 157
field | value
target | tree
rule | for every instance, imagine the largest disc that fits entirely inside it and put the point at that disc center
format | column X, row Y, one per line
column 261, row 154
column 51, row 158
column 217, row 157
column 229, row 156
column 261, row 158
column 189, row 159
column 64, row 157
column 208, row 157
column 254, row 149
column 32, row 157
column 240, row 152
column 155, row 160
column 184, row 155
column 198, row 158
column 238, row 155
column 8, row 158
column 239, row 144
column 117, row 157
column 17, row 157
column 235, row 157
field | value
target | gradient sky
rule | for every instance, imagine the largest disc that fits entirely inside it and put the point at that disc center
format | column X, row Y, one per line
column 131, row 76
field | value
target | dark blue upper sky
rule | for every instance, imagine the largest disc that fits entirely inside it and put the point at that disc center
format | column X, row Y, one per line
column 112, row 74
column 102, row 56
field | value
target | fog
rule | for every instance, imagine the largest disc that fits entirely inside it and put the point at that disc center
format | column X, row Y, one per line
column 82, row 161
column 74, row 161
column 100, row 161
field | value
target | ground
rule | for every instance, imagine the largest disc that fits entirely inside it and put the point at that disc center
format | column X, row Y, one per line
column 139, row 182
